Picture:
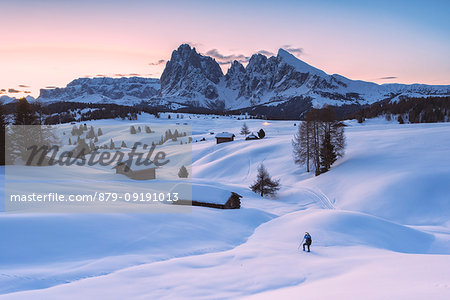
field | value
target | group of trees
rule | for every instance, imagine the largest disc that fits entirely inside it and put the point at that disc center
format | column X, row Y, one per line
column 408, row 109
column 66, row 112
column 319, row 141
column 317, row 144
column 18, row 138
column 169, row 135
column 134, row 131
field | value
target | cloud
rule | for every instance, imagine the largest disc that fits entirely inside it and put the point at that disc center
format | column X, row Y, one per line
column 24, row 86
column 50, row 87
column 388, row 77
column 100, row 75
column 293, row 50
column 266, row 52
column 133, row 74
column 13, row 91
column 159, row 62
column 3, row 90
column 27, row 92
column 226, row 59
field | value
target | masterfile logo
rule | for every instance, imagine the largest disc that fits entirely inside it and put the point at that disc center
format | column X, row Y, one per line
column 79, row 168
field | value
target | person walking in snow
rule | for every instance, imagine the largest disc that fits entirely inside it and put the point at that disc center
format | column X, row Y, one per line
column 308, row 241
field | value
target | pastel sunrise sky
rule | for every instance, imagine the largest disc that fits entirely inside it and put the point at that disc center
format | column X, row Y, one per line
column 49, row 43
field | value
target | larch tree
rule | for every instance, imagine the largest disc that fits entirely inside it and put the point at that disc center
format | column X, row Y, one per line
column 301, row 145
column 264, row 185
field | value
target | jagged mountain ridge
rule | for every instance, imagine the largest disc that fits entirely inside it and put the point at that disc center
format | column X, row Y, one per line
column 124, row 90
column 273, row 81
column 194, row 80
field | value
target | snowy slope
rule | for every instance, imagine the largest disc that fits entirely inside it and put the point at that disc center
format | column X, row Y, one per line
column 378, row 220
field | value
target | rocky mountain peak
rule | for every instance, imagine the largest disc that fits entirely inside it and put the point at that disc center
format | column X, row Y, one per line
column 190, row 74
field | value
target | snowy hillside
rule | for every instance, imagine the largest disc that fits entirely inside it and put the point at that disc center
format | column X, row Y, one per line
column 378, row 219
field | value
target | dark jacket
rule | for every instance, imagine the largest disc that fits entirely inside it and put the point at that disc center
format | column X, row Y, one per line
column 308, row 239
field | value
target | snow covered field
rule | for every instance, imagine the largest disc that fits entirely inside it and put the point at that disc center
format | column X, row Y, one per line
column 379, row 220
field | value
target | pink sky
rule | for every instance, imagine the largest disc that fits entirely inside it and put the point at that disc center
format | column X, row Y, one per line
column 52, row 43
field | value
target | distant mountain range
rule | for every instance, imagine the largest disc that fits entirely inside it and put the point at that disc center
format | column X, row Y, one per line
column 278, row 82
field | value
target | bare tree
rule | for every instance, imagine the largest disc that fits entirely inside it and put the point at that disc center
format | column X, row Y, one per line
column 301, row 145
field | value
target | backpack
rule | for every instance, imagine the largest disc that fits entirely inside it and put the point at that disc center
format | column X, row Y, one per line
column 308, row 239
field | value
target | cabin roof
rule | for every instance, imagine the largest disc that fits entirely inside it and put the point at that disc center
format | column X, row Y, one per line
column 143, row 164
column 202, row 193
column 225, row 135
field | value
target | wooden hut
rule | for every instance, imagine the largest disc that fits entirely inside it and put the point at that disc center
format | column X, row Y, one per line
column 224, row 137
column 251, row 137
column 131, row 170
column 208, row 196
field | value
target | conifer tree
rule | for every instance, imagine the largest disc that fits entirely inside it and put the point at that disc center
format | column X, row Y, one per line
column 183, row 173
column 244, row 129
column 264, row 185
column 327, row 154
column 261, row 133
column 90, row 134
column 24, row 113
